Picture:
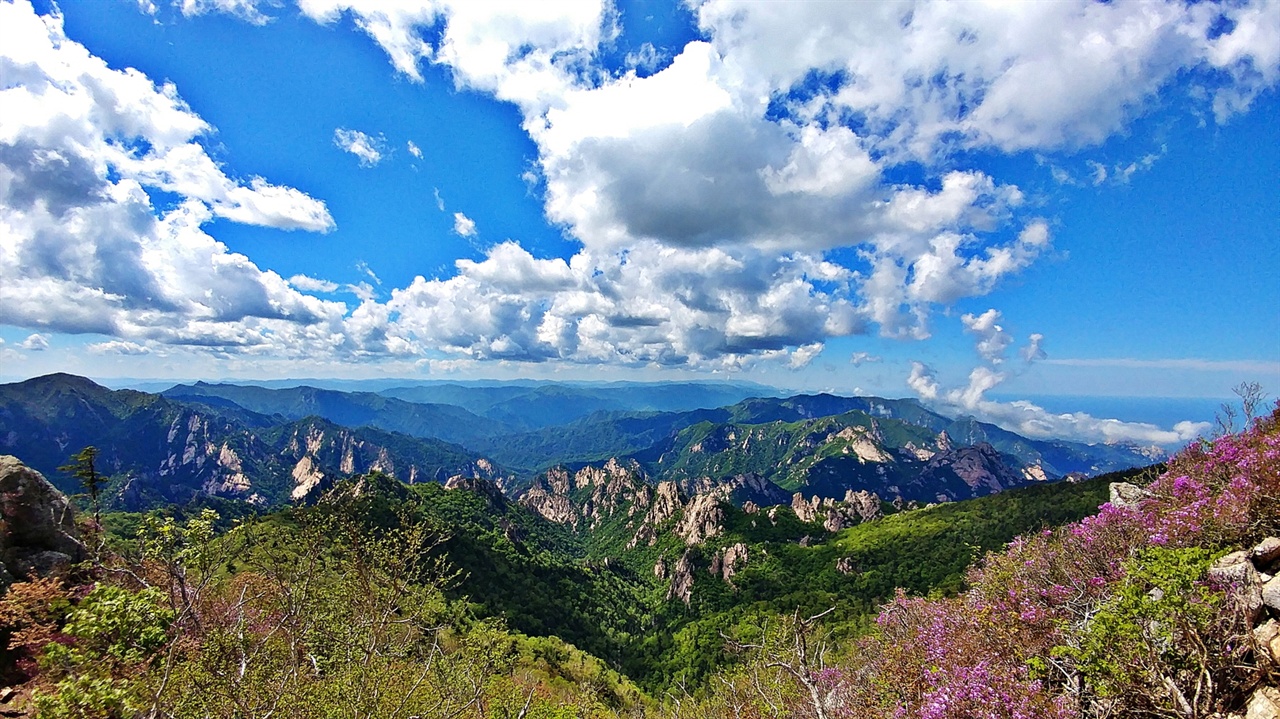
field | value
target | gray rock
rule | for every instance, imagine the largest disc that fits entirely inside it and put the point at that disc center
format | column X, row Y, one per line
column 1271, row 594
column 1266, row 639
column 1234, row 569
column 1267, row 551
column 37, row 523
column 42, row 564
column 682, row 579
column 1264, row 704
column 1236, row 574
column 735, row 557
column 703, row 518
column 1124, row 494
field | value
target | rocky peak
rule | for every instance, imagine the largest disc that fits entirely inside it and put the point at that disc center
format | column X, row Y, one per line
column 614, row 486
column 558, row 480
column 666, row 502
column 682, row 579
column 612, row 471
column 863, row 444
column 804, row 509
column 741, row 489
column 856, row 507
column 485, row 488
column 980, row 467
column 726, row 562
column 554, row 506
column 703, row 518
column 620, row 489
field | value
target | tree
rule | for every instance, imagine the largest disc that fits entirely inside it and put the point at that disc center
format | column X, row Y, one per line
column 82, row 468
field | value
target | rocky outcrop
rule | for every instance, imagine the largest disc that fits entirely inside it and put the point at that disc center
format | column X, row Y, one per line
column 726, row 562
column 483, row 487
column 542, row 497
column 866, row 504
column 682, row 579
column 318, row 453
column 979, row 467
column 1034, row 473
column 863, row 444
column 614, row 486
column 1248, row 577
column 806, row 510
column 703, row 517
column 37, row 524
column 741, row 489
column 666, row 503
column 1123, row 494
column 857, row 507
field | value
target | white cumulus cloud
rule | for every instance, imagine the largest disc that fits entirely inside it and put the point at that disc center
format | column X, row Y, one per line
column 1031, row 420
column 312, row 284
column 463, row 225
column 118, row 347
column 708, row 198
column 366, row 148
column 247, row 10
column 82, row 248
column 857, row 359
column 992, row 339
column 35, row 342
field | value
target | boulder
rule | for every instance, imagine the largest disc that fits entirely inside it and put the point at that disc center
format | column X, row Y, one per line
column 1264, row 704
column 1267, row 551
column 1124, row 494
column 1271, row 594
column 1266, row 639
column 1233, row 569
column 1235, row 573
column 37, row 524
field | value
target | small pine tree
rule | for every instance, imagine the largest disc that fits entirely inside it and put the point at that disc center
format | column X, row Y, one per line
column 82, row 468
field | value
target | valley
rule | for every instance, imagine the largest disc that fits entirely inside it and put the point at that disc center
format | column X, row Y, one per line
column 642, row 536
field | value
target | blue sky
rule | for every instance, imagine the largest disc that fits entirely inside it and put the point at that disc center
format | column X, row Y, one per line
column 956, row 201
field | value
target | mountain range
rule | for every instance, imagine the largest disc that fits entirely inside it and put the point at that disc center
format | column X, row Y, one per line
column 273, row 445
column 596, row 531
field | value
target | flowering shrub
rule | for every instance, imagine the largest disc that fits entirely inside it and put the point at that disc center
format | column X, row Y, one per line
column 1109, row 616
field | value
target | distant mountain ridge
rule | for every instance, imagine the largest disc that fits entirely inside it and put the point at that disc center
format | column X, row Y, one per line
column 163, row 450
column 352, row 409
column 274, row 445
column 652, row 437
column 531, row 407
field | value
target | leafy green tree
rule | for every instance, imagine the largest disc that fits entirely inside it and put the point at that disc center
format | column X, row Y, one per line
column 82, row 467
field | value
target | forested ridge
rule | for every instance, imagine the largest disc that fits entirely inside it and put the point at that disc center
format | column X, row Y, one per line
column 601, row 593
